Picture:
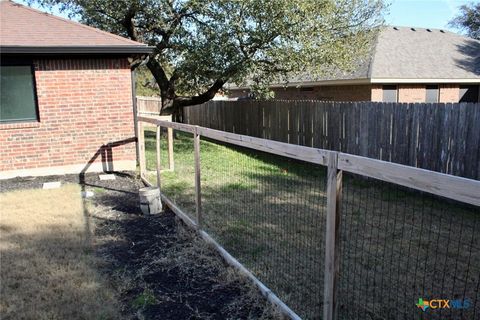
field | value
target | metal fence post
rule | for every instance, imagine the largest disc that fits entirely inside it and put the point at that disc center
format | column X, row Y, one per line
column 332, row 238
column 198, row 192
column 157, row 140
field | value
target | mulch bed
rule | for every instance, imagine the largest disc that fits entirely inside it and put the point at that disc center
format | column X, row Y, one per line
column 160, row 268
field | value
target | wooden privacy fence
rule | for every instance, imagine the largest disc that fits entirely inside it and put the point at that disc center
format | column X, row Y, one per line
column 148, row 105
column 438, row 137
column 455, row 188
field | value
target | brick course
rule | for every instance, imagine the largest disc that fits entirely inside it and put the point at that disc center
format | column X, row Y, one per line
column 83, row 104
column 411, row 93
column 449, row 93
column 377, row 93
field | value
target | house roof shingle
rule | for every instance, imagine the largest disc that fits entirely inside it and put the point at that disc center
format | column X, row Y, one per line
column 409, row 55
column 24, row 27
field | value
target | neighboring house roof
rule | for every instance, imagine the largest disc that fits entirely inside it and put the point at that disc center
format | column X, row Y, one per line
column 409, row 55
column 26, row 30
column 416, row 53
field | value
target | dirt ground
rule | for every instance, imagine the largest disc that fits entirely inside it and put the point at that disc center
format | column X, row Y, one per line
column 158, row 268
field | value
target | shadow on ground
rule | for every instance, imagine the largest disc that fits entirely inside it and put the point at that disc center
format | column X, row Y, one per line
column 164, row 270
column 158, row 268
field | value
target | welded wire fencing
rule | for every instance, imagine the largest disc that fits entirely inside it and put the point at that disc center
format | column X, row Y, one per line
column 361, row 239
column 269, row 213
column 178, row 184
column 400, row 245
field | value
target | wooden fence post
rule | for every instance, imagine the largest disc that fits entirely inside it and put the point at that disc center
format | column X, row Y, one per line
column 198, row 192
column 141, row 149
column 332, row 238
column 171, row 165
column 157, row 140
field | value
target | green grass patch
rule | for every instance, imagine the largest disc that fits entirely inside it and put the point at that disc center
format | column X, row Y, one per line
column 98, row 190
column 269, row 212
column 146, row 298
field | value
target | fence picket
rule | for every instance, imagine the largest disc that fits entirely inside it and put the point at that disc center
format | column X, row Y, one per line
column 441, row 137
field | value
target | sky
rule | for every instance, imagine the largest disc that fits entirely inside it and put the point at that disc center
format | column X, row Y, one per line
column 410, row 13
column 424, row 13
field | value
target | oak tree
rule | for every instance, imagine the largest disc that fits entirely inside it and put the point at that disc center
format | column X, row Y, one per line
column 200, row 45
column 468, row 20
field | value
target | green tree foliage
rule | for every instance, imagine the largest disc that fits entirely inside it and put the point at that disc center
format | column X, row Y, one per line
column 202, row 44
column 468, row 20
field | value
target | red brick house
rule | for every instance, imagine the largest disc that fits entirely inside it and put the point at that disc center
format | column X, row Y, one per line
column 404, row 65
column 66, row 96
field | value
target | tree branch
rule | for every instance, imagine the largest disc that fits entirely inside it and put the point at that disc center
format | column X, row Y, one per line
column 129, row 25
column 184, row 101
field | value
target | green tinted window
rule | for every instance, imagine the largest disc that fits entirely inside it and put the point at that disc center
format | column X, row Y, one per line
column 17, row 94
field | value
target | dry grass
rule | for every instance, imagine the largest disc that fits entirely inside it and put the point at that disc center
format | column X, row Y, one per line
column 47, row 266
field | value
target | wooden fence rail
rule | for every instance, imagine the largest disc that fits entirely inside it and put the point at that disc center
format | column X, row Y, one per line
column 438, row 137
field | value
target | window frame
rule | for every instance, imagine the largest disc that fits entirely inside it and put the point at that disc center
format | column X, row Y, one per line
column 396, row 92
column 430, row 87
column 23, row 63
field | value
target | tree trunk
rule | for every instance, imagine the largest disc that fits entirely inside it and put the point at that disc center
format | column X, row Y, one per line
column 171, row 102
column 168, row 105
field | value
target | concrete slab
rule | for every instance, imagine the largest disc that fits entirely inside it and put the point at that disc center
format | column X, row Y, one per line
column 52, row 185
column 106, row 176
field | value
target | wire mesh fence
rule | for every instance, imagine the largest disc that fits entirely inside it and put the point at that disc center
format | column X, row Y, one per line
column 399, row 246
column 403, row 254
column 268, row 212
column 178, row 185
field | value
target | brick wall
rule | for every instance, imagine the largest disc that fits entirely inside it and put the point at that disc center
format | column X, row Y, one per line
column 449, row 93
column 377, row 93
column 411, row 93
column 417, row 93
column 84, row 105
